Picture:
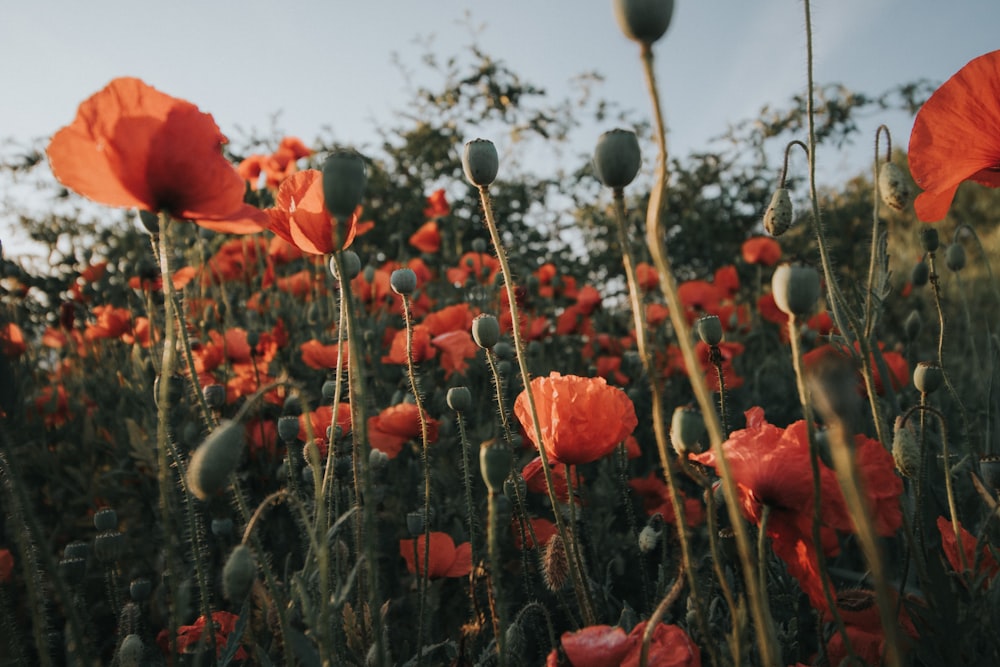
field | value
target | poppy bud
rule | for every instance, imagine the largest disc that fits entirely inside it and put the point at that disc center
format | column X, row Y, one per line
column 479, row 245
column 893, row 187
column 927, row 377
column 480, row 162
column 905, row 450
column 504, row 350
column 215, row 395
column 415, row 522
column 139, row 589
column 515, row 486
column 377, row 460
column 710, row 330
column 687, row 431
column 288, row 428
column 150, row 222
column 778, row 216
column 912, row 325
column 617, row 158
column 344, row 180
column 108, row 546
column 369, row 273
column 329, row 390
column 351, row 262
column 494, row 464
column 929, row 239
column 644, row 21
column 403, row 281
column 989, row 469
column 795, row 288
column 216, row 459
column 105, row 519
column 238, row 574
column 222, row 527
column 555, row 564
column 649, row 537
column 954, row 257
column 73, row 569
column 131, row 652
column 485, row 331
column 459, row 399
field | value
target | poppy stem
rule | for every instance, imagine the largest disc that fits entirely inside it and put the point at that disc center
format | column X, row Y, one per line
column 580, row 585
column 654, row 619
column 767, row 641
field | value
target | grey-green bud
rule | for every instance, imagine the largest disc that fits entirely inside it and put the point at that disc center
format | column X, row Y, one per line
column 344, row 180
column 927, row 377
column 494, row 463
column 617, row 158
column 710, row 329
column 403, row 281
column 893, row 187
column 480, row 162
column 485, row 331
column 216, row 459
column 644, row 21
column 954, row 257
column 238, row 574
column 795, row 288
column 459, row 399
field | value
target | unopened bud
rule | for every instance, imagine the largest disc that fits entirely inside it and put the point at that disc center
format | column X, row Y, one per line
column 954, row 257
column 486, row 331
column 778, row 216
column 893, row 187
column 403, row 281
column 215, row 460
column 344, row 180
column 905, row 450
column 644, row 21
column 459, row 399
column 480, row 162
column 929, row 239
column 238, row 574
column 616, row 159
column 494, row 463
column 710, row 330
column 687, row 431
column 795, row 288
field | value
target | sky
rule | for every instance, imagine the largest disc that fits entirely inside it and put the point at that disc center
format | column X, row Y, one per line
column 331, row 63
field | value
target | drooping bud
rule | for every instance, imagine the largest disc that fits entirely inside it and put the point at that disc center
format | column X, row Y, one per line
column 617, row 158
column 954, row 257
column 710, row 330
column 494, row 463
column 480, row 162
column 905, row 450
column 238, row 574
column 778, row 216
column 459, row 399
column 216, row 459
column 644, row 21
column 893, row 187
column 344, row 180
column 403, row 281
column 150, row 222
column 795, row 288
column 687, row 431
column 485, row 331
column 927, row 377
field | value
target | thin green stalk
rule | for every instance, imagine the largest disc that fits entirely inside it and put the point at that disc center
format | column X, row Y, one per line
column 470, row 507
column 873, row 263
column 579, row 583
column 767, row 641
column 762, row 550
column 494, row 551
column 657, row 616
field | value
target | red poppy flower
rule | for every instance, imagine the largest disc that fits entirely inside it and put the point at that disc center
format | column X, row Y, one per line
column 446, row 559
column 479, row 266
column 390, row 429
column 111, row 323
column 655, row 496
column 189, row 637
column 437, row 205
column 761, row 250
column 421, row 346
column 646, row 276
column 6, row 566
column 12, row 340
column 451, row 318
column 131, row 146
column 727, row 280
column 581, row 419
column 300, row 217
column 322, row 357
column 457, row 347
column 588, row 298
column 180, row 280
column 544, row 530
column 261, row 436
column 321, row 418
column 988, row 566
column 956, row 137
column 604, row 645
column 427, row 238
column 534, row 478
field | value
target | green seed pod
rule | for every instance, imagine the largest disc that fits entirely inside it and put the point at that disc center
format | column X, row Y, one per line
column 108, row 546
column 216, row 459
column 131, row 652
column 139, row 589
column 687, row 431
column 480, row 162
column 494, row 464
column 795, row 288
column 377, row 460
column 73, row 569
column 81, row 549
column 486, row 331
column 954, row 257
column 778, row 216
column 222, row 527
column 329, row 390
column 927, row 377
column 710, row 329
column 215, row 395
column 352, row 265
column 912, row 325
column 106, row 519
column 415, row 523
column 644, row 21
column 150, row 222
column 929, row 239
column 459, row 399
column 893, row 187
column 403, row 281
column 288, row 428
column 344, row 180
column 905, row 450
column 238, row 574
column 616, row 159
column 504, row 350
column 921, row 274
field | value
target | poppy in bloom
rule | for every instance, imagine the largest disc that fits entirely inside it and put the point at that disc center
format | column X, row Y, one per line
column 646, row 276
column 479, row 266
column 581, row 419
column 727, row 280
column 437, row 205
column 300, row 217
column 761, row 250
column 131, row 146
column 321, row 357
column 457, row 347
column 420, row 346
column 390, row 429
column 605, row 645
column 955, row 137
column 189, row 637
column 656, row 500
column 543, row 528
column 111, row 323
column 863, row 623
column 446, row 559
column 534, row 478
column 988, row 566
column 275, row 167
column 427, row 238
column 319, row 419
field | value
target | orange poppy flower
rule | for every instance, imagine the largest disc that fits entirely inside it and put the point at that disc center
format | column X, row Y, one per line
column 656, row 499
column 479, row 266
column 457, row 347
column 646, row 276
column 956, row 137
column 12, row 340
column 451, row 318
column 421, row 346
column 427, row 238
column 321, row 357
column 544, row 530
column 437, row 205
column 600, row 645
column 321, row 418
column 446, row 559
column 390, row 429
column 131, row 146
column 300, row 217
column 727, row 280
column 534, row 478
column 988, row 567
column 581, row 419
column 189, row 637
column 111, row 323
column 761, row 250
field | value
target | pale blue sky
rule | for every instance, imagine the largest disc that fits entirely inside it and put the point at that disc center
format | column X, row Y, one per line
column 329, row 62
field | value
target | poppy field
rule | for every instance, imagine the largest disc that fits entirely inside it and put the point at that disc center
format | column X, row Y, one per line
column 278, row 402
